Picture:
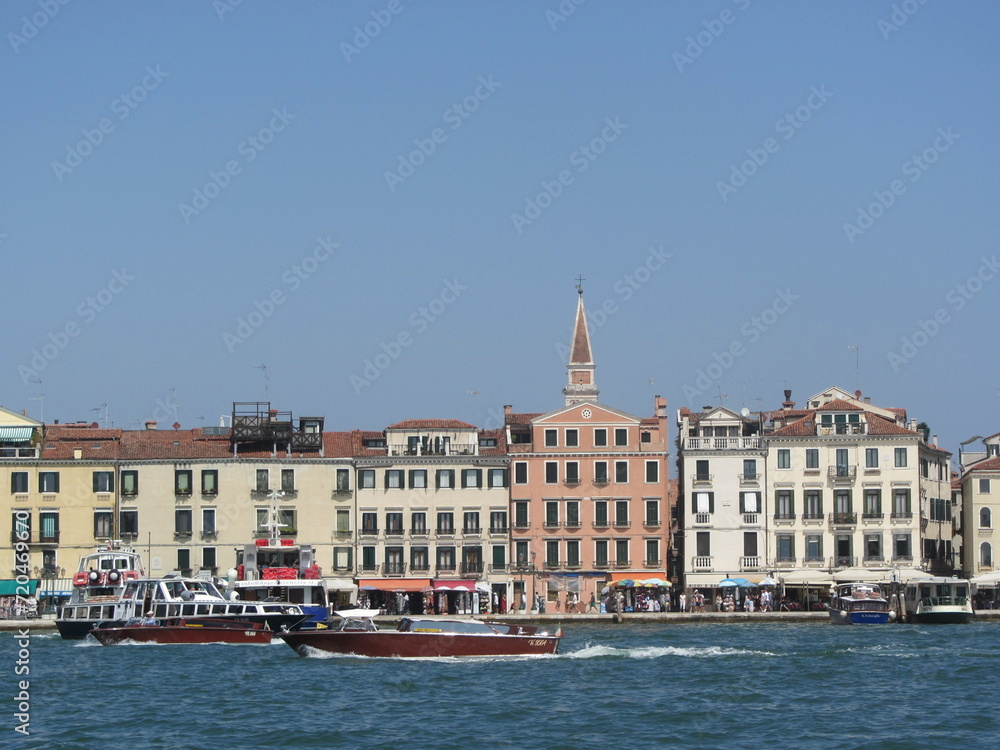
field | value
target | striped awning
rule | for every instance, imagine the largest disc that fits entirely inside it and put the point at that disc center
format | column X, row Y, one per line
column 15, row 434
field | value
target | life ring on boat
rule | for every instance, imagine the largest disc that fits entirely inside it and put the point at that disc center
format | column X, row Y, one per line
column 80, row 579
column 113, row 577
column 95, row 578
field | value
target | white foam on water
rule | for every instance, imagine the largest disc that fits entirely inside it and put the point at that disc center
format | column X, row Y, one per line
column 656, row 652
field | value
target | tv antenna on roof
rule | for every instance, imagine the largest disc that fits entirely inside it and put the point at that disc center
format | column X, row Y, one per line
column 103, row 410
column 263, row 367
column 41, row 399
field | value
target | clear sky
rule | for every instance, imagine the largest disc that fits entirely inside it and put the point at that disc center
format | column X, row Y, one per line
column 387, row 204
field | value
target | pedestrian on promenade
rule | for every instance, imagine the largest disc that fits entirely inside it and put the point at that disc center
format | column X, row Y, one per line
column 593, row 603
column 682, row 602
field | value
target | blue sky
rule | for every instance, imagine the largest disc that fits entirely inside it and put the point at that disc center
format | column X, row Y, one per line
column 748, row 188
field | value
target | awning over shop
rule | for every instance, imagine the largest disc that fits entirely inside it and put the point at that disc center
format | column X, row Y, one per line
column 11, row 588
column 454, row 585
column 393, row 584
column 807, row 578
column 15, row 434
column 339, row 584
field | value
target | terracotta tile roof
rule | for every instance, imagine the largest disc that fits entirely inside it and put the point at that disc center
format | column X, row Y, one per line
column 895, row 410
column 838, row 404
column 500, row 436
column 522, row 418
column 785, row 413
column 879, row 426
column 650, row 422
column 581, row 338
column 934, row 448
column 987, row 464
column 804, row 427
column 358, row 438
column 61, row 443
column 431, row 424
column 684, row 411
column 146, row 445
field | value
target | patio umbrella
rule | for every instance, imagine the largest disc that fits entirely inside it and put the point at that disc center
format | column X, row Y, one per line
column 728, row 582
column 768, row 582
column 653, row 582
column 627, row 582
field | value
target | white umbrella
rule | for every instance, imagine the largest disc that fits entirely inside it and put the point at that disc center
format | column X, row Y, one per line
column 767, row 582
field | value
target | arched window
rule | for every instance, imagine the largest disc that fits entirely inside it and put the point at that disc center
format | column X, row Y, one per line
column 985, row 518
column 986, row 555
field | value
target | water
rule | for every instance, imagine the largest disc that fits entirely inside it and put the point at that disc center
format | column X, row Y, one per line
column 703, row 685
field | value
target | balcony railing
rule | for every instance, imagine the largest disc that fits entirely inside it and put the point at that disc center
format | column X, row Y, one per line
column 901, row 516
column 749, row 478
column 843, row 561
column 393, row 568
column 722, row 443
column 813, row 516
column 843, row 519
column 751, row 519
column 873, row 560
column 601, row 479
column 871, row 516
column 550, row 524
column 702, row 478
column 499, row 530
column 843, row 472
column 602, row 564
column 622, row 563
column 369, row 531
column 750, row 563
column 452, row 449
column 472, row 531
column 446, row 530
column 651, row 521
column 601, row 523
column 419, row 567
column 18, row 452
column 840, row 429
column 702, row 518
column 701, row 562
column 784, row 516
column 472, row 568
column 573, row 523
column 419, row 531
column 394, row 531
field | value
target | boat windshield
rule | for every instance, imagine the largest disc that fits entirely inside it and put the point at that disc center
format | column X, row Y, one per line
column 472, row 627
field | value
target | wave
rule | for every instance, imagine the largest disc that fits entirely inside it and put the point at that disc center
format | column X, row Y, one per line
column 655, row 652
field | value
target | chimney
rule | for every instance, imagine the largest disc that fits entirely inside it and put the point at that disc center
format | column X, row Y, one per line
column 868, row 399
column 508, row 409
column 660, row 405
column 934, row 440
column 150, row 424
column 788, row 403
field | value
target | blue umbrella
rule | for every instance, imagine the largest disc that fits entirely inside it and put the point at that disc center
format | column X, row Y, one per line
column 726, row 582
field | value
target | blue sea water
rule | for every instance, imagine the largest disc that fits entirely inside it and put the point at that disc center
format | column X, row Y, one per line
column 703, row 685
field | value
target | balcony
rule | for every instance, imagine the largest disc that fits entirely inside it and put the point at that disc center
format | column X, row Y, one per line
column 702, row 519
column 750, row 563
column 369, row 531
column 602, row 564
column 840, row 429
column 8, row 452
column 722, row 443
column 341, row 494
column 573, row 523
column 551, row 524
column 418, row 566
column 473, row 568
column 601, row 479
column 40, row 537
column 751, row 519
column 601, row 523
column 784, row 562
column 873, row 561
column 448, row 566
column 368, row 567
column 700, row 479
column 701, row 562
column 871, row 517
column 499, row 530
column 784, row 517
column 446, row 531
column 843, row 519
column 472, row 531
column 430, row 449
column 394, row 531
column 393, row 568
column 901, row 516
column 814, row 562
column 622, row 563
column 750, row 479
column 572, row 481
column 813, row 517
column 573, row 564
column 842, row 473
column 651, row 522
column 419, row 531
column 622, row 523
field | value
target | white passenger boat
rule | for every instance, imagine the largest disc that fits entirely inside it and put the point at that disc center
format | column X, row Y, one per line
column 938, row 600
column 859, row 603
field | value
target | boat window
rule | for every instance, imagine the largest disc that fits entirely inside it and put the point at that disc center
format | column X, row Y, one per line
column 204, row 609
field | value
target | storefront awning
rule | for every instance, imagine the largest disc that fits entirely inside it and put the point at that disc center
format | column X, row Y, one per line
column 11, row 588
column 15, row 434
column 637, row 575
column 454, row 585
column 339, row 584
column 393, row 584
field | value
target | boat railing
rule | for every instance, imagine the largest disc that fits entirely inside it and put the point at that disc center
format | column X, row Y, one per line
column 945, row 601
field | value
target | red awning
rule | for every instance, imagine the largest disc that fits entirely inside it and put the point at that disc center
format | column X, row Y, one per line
column 454, row 585
column 392, row 584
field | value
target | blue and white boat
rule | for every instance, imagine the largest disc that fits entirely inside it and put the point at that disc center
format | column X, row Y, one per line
column 859, row 603
column 938, row 600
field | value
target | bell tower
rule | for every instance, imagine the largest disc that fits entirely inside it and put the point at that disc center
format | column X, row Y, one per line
column 581, row 385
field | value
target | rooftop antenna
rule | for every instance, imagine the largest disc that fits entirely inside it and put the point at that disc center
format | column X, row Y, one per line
column 173, row 401
column 722, row 396
column 103, row 409
column 40, row 398
column 263, row 367
column 857, row 365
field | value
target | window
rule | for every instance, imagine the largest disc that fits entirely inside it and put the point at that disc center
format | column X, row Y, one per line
column 366, row 479
column 652, row 472
column 646, row 437
column 572, row 513
column 263, row 480
column 873, row 503
column 985, row 555
column 520, row 472
column 418, row 479
column 621, row 513
column 552, row 553
column 814, row 547
column 871, row 458
column 784, row 458
column 182, row 522
column 446, row 558
column 873, row 546
column 368, row 558
column 418, row 523
column 446, row 522
column 521, row 514
column 900, row 458
column 653, row 551
column 343, row 480
column 621, row 552
column 984, row 486
column 812, row 458
column 208, row 561
column 394, row 523
column 182, row 482
column 21, row 525
column 184, row 561
column 749, row 502
column 600, row 436
column 601, row 513
column 551, row 472
column 552, row 513
column 498, row 478
column 48, row 481
column 901, row 547
column 601, row 553
column 572, row 472
column 551, row 438
column 843, row 546
column 419, row 559
column 521, row 553
column 472, row 477
column 498, row 522
column 621, row 436
column 209, row 482
column 600, row 472
column 48, row 522
column 104, row 481
column 701, row 472
column 843, row 506
column 924, row 467
column 985, row 518
column 784, row 504
column 369, row 523
column 208, row 521
column 470, row 522
column 572, row 438
column 572, row 553
column 813, row 504
column 901, row 503
column 750, row 544
column 621, row 472
column 128, row 523
column 652, row 513
column 703, row 502
column 395, row 479
column 786, row 547
column 288, row 480
column 18, row 482
column 104, row 523
column 749, row 468
column 445, row 478
column 343, row 521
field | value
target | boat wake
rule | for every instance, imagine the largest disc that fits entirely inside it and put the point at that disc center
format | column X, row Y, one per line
column 656, row 652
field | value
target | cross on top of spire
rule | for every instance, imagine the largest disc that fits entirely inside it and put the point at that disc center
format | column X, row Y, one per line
column 579, row 284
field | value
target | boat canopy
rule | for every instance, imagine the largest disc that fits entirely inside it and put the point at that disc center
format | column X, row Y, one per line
column 356, row 614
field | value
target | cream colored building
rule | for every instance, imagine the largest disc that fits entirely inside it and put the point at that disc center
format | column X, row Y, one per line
column 980, row 482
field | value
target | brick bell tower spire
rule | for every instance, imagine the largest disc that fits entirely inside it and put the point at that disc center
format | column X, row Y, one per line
column 581, row 385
